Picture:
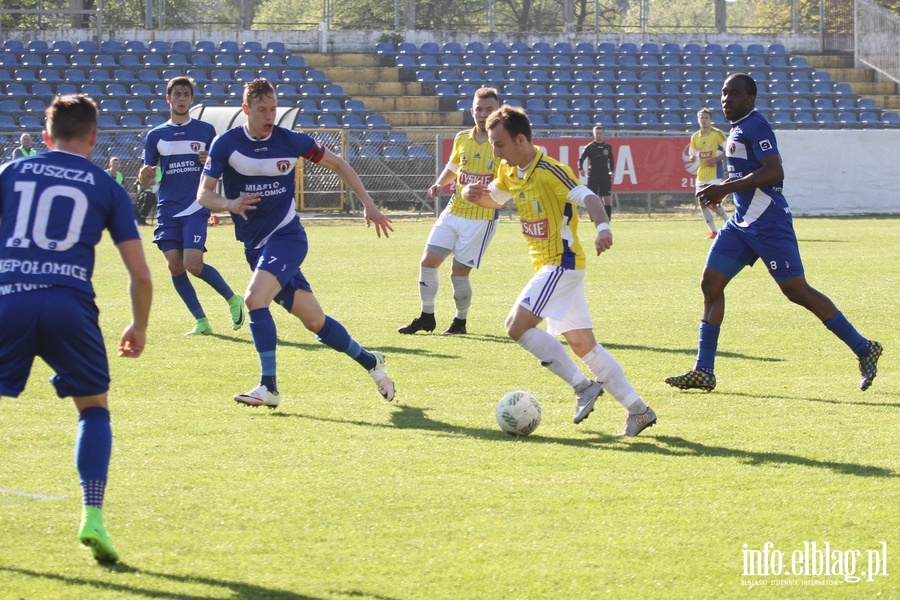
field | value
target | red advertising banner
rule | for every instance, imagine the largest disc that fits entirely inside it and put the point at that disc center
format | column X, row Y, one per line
column 643, row 164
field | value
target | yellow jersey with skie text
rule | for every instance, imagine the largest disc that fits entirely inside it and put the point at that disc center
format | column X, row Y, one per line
column 473, row 163
column 708, row 146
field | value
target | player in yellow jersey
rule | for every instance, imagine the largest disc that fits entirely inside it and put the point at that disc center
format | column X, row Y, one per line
column 708, row 150
column 463, row 229
column 547, row 195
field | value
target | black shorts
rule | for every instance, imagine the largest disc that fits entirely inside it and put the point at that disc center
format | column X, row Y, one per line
column 601, row 187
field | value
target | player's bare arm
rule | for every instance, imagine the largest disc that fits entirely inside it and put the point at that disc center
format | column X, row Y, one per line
column 770, row 172
column 370, row 212
column 140, row 290
column 480, row 194
column 594, row 206
column 443, row 179
column 208, row 198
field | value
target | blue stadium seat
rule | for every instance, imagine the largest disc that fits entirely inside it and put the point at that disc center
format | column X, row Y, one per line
column 62, row 47
column 517, row 75
column 671, row 120
column 826, row 118
column 154, row 61
column 560, row 105
column 627, row 61
column 131, row 121
column 607, row 48
column 177, row 60
column 562, row 61
column 647, row 89
column 130, row 61
column 376, row 122
column 890, row 118
column 512, row 91
column 649, row 61
column 584, row 60
column 540, row 61
column 93, row 90
column 582, row 104
column 425, row 76
column 604, row 119
column 250, row 61
column 31, row 122
column 14, row 46
column 558, row 89
column 58, row 61
column 561, row 76
column 445, row 89
column 316, row 76
column 495, row 60
column 670, row 103
column 538, row 76
column 124, row 76
column 848, row 118
column 649, row 48
column 536, row 105
column 182, row 47
column 453, row 61
column 117, row 90
column 405, row 61
column 804, row 119
column 626, row 105
column 334, row 90
column 692, row 48
column 648, row 119
column 427, row 61
column 755, row 49
column 648, row 104
column 868, row 117
column 557, row 120
column 649, row 76
column 584, row 75
column 223, row 60
column 385, row 49
column 50, row 75
column 351, row 121
column 585, row 48
column 799, row 89
column 671, row 48
column 625, row 120
column 448, row 76
column 777, row 62
column 798, row 62
column 452, row 48
column 777, row 49
column 107, row 105
column 560, row 48
column 135, row 47
column 31, row 60
column 137, row 106
column 475, row 48
column 498, row 48
column 845, row 103
column 470, row 75
column 604, row 90
column 539, row 48
column 86, row 47
column 160, row 47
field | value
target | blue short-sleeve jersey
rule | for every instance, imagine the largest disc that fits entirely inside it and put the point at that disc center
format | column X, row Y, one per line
column 175, row 149
column 751, row 139
column 266, row 167
column 53, row 210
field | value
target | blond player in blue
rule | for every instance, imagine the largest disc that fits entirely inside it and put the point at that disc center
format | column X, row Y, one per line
column 463, row 229
column 54, row 208
column 256, row 163
column 761, row 228
column 547, row 195
column 177, row 150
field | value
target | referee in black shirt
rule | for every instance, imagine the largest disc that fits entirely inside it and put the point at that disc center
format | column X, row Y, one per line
column 601, row 163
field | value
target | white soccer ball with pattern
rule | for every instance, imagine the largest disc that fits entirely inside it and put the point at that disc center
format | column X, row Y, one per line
column 518, row 413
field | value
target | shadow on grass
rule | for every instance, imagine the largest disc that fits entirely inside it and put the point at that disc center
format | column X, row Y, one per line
column 822, row 400
column 677, row 446
column 688, row 351
column 316, row 346
column 409, row 417
column 239, row 590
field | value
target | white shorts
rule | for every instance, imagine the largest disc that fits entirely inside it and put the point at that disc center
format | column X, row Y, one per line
column 557, row 295
column 467, row 239
column 703, row 184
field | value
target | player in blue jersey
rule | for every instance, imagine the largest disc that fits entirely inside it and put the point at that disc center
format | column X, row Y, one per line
column 761, row 228
column 179, row 147
column 256, row 164
column 53, row 210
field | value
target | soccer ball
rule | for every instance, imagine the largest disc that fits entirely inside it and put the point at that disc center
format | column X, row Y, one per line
column 518, row 413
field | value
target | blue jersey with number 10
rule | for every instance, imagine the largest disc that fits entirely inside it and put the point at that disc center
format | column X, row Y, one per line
column 266, row 167
column 53, row 210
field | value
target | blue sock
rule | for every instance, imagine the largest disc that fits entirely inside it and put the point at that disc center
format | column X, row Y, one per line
column 188, row 295
column 212, row 276
column 335, row 336
column 265, row 338
column 93, row 447
column 841, row 327
column 706, row 348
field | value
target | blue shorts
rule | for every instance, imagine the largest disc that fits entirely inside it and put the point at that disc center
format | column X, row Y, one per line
column 282, row 257
column 182, row 233
column 59, row 325
column 775, row 243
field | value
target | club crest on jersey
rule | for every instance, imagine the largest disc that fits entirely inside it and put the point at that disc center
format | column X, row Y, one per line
column 765, row 145
column 463, row 159
column 195, row 146
column 731, row 148
column 283, row 166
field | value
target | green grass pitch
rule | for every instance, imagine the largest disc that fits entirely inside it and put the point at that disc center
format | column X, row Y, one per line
column 341, row 495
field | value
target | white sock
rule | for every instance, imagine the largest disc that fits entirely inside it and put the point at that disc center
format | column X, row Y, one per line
column 547, row 349
column 609, row 373
column 462, row 295
column 429, row 282
column 708, row 217
column 720, row 210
